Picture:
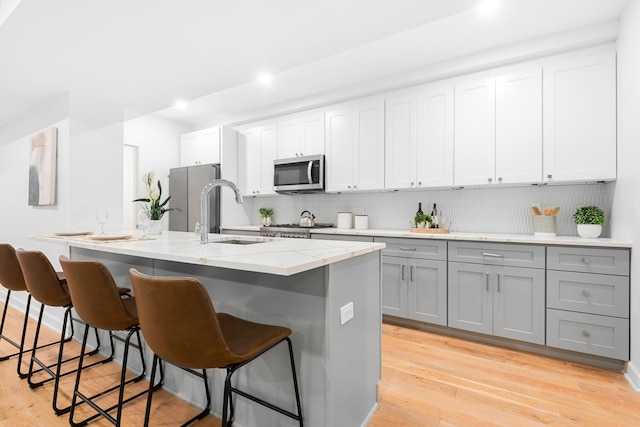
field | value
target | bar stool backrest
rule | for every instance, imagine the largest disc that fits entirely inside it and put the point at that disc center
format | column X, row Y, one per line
column 10, row 272
column 179, row 323
column 95, row 295
column 42, row 279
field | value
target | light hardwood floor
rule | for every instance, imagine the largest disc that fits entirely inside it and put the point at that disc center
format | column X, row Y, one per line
column 427, row 380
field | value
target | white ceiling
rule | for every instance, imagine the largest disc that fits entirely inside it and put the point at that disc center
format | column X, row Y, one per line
column 146, row 54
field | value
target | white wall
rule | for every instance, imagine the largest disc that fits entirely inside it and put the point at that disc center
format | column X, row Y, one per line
column 158, row 142
column 626, row 201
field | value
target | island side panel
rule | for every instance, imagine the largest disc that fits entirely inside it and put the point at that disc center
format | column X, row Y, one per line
column 354, row 348
column 297, row 302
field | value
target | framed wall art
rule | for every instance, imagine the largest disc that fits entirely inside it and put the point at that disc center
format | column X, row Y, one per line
column 42, row 168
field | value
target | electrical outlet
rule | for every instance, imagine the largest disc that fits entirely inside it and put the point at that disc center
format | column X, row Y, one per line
column 364, row 210
column 346, row 313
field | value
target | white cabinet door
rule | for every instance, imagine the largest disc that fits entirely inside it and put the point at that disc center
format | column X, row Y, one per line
column 339, row 147
column 288, row 138
column 267, row 152
column 434, row 151
column 519, row 127
column 474, row 132
column 580, row 119
column 201, row 147
column 312, row 134
column 400, row 141
column 248, row 162
column 368, row 145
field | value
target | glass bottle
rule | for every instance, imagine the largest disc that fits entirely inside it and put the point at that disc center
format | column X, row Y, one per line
column 434, row 217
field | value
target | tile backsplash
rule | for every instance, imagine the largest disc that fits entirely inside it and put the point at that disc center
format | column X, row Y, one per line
column 485, row 210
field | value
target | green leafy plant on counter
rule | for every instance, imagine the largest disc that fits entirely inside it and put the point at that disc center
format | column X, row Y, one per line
column 155, row 209
column 589, row 215
column 265, row 212
column 421, row 218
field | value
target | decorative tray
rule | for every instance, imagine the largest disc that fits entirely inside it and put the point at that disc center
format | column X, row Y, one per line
column 430, row 230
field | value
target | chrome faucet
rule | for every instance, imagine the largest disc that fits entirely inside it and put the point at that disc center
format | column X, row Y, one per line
column 204, row 205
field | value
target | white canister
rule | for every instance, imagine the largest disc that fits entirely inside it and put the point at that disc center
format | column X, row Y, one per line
column 361, row 222
column 345, row 220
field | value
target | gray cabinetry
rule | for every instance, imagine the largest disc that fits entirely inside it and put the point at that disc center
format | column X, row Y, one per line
column 414, row 282
column 488, row 295
column 588, row 311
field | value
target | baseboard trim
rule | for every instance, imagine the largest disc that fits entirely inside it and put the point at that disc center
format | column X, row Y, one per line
column 632, row 375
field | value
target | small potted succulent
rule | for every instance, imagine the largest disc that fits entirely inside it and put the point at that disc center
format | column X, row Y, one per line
column 265, row 216
column 589, row 220
column 421, row 219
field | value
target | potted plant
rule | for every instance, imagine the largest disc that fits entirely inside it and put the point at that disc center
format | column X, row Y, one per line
column 421, row 219
column 589, row 220
column 156, row 208
column 265, row 216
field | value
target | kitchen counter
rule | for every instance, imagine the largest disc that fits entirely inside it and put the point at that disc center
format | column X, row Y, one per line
column 271, row 255
column 480, row 237
column 299, row 284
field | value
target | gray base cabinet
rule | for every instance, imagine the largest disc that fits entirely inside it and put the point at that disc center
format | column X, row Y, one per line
column 414, row 280
column 588, row 300
column 488, row 296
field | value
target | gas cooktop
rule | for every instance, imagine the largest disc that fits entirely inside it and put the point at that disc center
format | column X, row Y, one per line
column 317, row 225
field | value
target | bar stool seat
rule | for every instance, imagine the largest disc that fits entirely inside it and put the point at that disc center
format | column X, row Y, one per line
column 12, row 279
column 97, row 301
column 181, row 326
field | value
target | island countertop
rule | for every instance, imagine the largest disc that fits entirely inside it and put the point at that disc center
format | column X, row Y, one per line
column 278, row 256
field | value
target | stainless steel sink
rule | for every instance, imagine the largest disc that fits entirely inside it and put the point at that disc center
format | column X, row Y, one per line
column 238, row 242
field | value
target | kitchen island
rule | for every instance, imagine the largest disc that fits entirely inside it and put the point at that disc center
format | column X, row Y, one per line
column 300, row 284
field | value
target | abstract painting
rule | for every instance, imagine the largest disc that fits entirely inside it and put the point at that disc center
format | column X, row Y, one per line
column 42, row 168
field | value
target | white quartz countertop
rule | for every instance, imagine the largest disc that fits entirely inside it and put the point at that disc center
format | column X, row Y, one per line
column 272, row 255
column 480, row 237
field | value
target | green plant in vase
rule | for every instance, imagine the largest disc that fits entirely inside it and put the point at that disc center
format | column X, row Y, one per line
column 421, row 219
column 265, row 215
column 589, row 220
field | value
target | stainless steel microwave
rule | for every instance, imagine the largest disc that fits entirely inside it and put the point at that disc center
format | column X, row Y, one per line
column 299, row 174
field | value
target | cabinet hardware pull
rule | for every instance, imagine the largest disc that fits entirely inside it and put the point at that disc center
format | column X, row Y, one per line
column 403, row 277
column 500, row 179
column 586, row 334
column 486, row 280
column 419, row 182
column 549, row 176
column 586, row 293
column 411, row 273
column 489, row 254
column 586, row 261
column 412, row 184
column 490, row 180
column 402, row 248
column 498, row 279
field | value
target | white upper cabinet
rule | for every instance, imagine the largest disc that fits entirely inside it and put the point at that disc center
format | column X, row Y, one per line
column 401, row 140
column 519, row 127
column 474, row 149
column 354, row 135
column 434, row 151
column 256, row 153
column 301, row 135
column 201, row 147
column 580, row 119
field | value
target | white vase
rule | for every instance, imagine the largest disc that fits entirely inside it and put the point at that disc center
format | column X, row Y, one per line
column 155, row 227
column 266, row 221
column 590, row 231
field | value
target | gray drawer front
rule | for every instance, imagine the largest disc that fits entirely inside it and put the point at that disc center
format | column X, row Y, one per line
column 511, row 255
column 588, row 293
column 347, row 237
column 588, row 260
column 414, row 248
column 588, row 333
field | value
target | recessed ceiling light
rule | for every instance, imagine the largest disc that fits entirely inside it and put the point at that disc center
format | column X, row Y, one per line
column 180, row 105
column 264, row 78
column 488, row 7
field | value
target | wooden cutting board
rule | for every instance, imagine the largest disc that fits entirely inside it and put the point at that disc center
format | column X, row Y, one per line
column 430, row 230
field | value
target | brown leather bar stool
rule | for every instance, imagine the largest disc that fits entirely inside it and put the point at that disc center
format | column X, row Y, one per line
column 181, row 326
column 45, row 287
column 12, row 279
column 97, row 301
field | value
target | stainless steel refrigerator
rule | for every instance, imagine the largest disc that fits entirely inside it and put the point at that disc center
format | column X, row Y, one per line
column 185, row 185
